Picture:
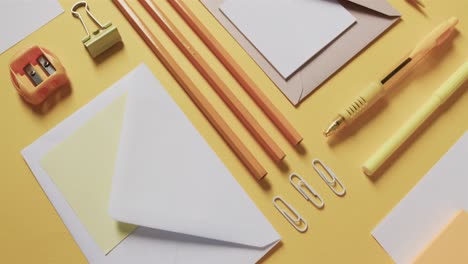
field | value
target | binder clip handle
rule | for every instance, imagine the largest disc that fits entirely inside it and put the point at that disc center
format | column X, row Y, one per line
column 84, row 4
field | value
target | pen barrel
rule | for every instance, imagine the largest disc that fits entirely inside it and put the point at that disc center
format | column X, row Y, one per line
column 439, row 97
column 397, row 139
column 366, row 99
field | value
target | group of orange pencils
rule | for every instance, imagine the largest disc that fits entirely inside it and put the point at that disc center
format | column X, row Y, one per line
column 220, row 87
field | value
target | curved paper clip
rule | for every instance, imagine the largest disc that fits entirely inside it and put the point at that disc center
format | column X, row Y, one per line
column 300, row 185
column 296, row 220
column 331, row 182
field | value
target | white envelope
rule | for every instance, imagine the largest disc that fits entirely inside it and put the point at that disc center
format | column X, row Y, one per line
column 168, row 178
column 146, row 245
column 413, row 224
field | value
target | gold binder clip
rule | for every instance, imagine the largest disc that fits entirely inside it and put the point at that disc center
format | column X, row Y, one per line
column 101, row 39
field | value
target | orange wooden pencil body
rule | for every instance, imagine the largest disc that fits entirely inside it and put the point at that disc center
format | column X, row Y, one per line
column 258, row 132
column 289, row 132
column 194, row 93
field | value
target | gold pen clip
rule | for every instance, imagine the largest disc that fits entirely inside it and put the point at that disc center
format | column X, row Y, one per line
column 295, row 219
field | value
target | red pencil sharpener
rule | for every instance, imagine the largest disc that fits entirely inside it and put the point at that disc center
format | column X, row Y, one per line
column 36, row 74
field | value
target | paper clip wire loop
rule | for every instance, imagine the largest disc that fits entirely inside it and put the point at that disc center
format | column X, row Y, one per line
column 301, row 185
column 331, row 181
column 296, row 220
column 84, row 4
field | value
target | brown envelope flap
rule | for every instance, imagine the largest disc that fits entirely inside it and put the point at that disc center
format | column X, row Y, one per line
column 380, row 6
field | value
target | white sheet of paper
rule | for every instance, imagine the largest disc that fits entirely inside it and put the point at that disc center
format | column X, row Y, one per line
column 288, row 32
column 428, row 208
column 168, row 178
column 144, row 245
column 19, row 18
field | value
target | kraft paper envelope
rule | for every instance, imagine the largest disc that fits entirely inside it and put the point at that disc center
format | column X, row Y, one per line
column 325, row 20
column 168, row 178
column 410, row 227
column 373, row 17
column 99, row 118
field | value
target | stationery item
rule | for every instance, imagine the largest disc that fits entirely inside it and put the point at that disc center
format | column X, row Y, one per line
column 427, row 208
column 236, row 106
column 195, row 94
column 77, row 169
column 416, row 3
column 377, row 90
column 37, row 73
column 18, row 19
column 450, row 245
column 372, row 19
column 304, row 29
column 101, row 39
column 329, row 177
column 295, row 219
column 279, row 120
column 435, row 101
column 303, row 188
column 176, row 179
column 103, row 118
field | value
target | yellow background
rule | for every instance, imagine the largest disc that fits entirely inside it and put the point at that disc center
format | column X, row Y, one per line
column 33, row 232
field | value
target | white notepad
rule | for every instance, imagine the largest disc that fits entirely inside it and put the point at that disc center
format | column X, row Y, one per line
column 288, row 32
column 19, row 18
column 428, row 208
column 147, row 245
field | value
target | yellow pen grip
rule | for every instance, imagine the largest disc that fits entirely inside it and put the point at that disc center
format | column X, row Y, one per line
column 367, row 98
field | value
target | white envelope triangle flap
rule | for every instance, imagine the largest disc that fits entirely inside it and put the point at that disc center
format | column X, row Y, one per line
column 168, row 178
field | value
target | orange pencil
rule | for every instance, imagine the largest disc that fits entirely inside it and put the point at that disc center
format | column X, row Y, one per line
column 257, row 131
column 193, row 92
column 237, row 72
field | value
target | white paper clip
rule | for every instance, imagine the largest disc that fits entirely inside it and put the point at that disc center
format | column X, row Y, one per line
column 296, row 220
column 301, row 185
column 331, row 181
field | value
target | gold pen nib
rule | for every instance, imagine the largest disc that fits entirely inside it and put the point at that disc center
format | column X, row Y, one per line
column 334, row 126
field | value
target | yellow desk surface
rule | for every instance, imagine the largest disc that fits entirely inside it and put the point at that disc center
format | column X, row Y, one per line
column 34, row 233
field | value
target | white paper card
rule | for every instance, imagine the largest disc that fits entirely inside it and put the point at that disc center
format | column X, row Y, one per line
column 19, row 18
column 288, row 32
column 144, row 245
column 428, row 208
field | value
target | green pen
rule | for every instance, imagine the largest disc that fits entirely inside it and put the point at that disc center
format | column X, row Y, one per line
column 435, row 101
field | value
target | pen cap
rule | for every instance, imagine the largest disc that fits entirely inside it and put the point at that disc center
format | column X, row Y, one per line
column 436, row 38
column 452, row 22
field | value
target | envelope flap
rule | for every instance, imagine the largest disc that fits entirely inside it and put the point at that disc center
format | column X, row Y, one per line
column 168, row 178
column 380, row 6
